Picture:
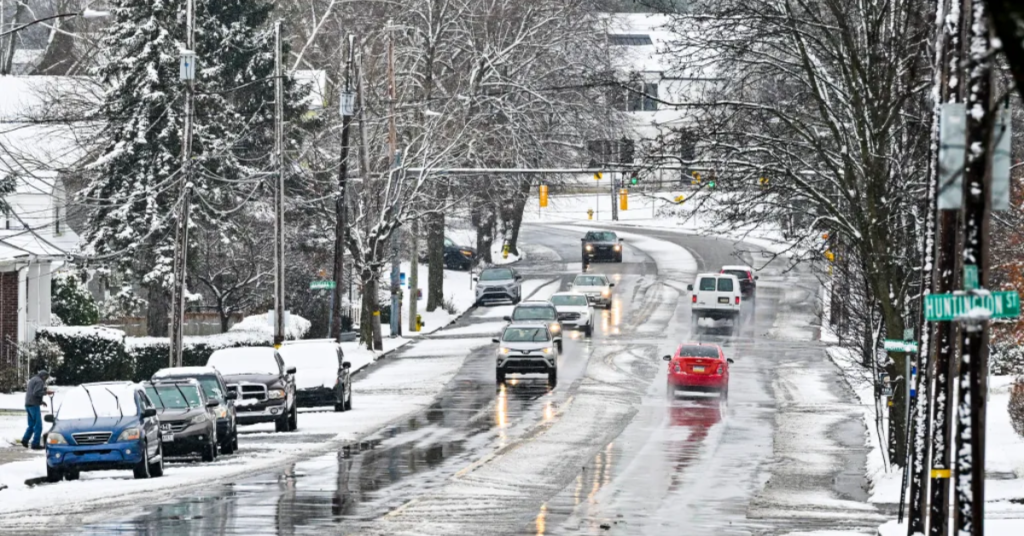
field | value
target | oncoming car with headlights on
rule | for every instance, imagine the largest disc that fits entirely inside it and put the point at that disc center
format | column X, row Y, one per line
column 601, row 245
column 574, row 311
column 597, row 288
column 526, row 349
column 538, row 312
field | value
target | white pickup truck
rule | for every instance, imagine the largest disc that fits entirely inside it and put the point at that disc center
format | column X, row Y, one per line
column 716, row 297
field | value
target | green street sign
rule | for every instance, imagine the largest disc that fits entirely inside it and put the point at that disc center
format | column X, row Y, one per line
column 971, row 277
column 322, row 285
column 946, row 307
column 909, row 347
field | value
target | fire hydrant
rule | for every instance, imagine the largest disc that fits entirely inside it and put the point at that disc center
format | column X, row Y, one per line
column 590, row 213
column 419, row 323
column 504, row 251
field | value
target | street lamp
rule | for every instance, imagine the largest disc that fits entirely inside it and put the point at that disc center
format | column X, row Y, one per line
column 86, row 14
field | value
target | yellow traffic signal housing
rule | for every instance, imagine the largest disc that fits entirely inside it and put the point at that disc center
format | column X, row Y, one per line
column 830, row 256
column 597, row 176
column 543, row 195
column 696, row 178
column 680, row 199
column 623, row 199
column 763, row 181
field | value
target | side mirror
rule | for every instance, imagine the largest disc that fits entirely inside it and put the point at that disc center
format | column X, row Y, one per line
column 346, row 365
column 476, row 279
column 583, row 240
column 507, row 318
column 729, row 360
column 611, row 285
column 667, row 358
column 48, row 418
column 290, row 370
column 212, row 403
column 496, row 341
column 519, row 277
column 622, row 240
column 756, row 277
column 232, row 395
column 689, row 287
column 149, row 412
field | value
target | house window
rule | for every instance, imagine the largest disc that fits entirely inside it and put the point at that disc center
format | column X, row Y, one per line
column 629, row 40
column 636, row 97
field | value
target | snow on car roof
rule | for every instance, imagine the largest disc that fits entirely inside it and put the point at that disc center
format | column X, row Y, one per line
column 738, row 267
column 715, row 274
column 568, row 293
column 246, row 360
column 183, row 371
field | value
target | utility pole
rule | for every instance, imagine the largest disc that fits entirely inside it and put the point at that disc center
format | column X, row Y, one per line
column 615, row 194
column 347, row 109
column 396, row 288
column 279, row 192
column 187, row 75
column 973, row 384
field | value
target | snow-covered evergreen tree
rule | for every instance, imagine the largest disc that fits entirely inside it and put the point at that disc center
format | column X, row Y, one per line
column 139, row 179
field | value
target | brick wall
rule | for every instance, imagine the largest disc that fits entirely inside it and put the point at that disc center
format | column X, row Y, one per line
column 8, row 317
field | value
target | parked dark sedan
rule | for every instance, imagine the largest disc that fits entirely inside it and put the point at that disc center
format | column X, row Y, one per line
column 601, row 245
column 456, row 256
column 215, row 388
column 264, row 385
column 321, row 373
column 188, row 423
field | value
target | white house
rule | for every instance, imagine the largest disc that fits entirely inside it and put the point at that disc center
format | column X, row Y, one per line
column 34, row 238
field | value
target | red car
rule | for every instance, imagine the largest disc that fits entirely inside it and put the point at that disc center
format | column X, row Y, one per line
column 698, row 367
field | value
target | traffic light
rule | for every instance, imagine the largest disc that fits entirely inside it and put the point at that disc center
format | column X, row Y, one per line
column 634, row 179
column 763, row 181
column 696, row 179
column 711, row 184
column 597, row 176
column 543, row 194
column 623, row 199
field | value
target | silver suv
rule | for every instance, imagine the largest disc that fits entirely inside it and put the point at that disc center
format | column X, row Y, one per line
column 498, row 284
column 526, row 349
column 539, row 313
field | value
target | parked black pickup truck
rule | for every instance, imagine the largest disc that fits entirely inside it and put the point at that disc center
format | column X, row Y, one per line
column 265, row 387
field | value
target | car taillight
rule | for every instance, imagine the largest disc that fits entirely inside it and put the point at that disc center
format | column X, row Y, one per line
column 737, row 300
column 719, row 369
column 694, row 299
column 676, row 368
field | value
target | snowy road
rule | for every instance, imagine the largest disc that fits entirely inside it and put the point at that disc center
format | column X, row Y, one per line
column 603, row 453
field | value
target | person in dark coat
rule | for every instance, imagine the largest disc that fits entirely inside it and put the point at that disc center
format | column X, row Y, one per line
column 34, row 393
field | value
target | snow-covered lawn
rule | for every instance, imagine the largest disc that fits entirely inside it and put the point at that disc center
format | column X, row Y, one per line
column 1004, row 453
column 458, row 292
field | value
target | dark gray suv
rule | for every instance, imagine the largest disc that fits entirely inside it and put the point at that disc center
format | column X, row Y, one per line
column 188, row 424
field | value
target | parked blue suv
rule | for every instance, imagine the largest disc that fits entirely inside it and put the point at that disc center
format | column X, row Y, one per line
column 102, row 426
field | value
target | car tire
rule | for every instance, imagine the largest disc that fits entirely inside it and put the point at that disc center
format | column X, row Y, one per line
column 588, row 330
column 499, row 377
column 228, row 447
column 141, row 469
column 157, row 469
column 53, row 475
column 339, row 407
column 293, row 419
column 281, row 424
column 72, row 475
column 209, row 452
column 348, row 401
column 559, row 346
column 234, row 441
column 553, row 377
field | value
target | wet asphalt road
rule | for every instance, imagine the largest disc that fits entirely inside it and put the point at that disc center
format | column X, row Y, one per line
column 604, row 452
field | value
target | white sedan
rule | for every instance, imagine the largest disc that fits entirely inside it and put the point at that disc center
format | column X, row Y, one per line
column 596, row 287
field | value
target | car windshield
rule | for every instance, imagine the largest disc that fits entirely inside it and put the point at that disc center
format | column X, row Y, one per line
column 601, row 236
column 568, row 299
column 231, row 361
column 174, row 396
column 448, row 242
column 500, row 274
column 740, row 274
column 98, row 401
column 525, row 335
column 707, row 283
column 725, row 284
column 534, row 313
column 698, row 351
column 590, row 281
column 212, row 388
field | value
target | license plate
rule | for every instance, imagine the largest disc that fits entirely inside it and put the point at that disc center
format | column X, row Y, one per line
column 168, row 438
column 723, row 300
column 698, row 369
